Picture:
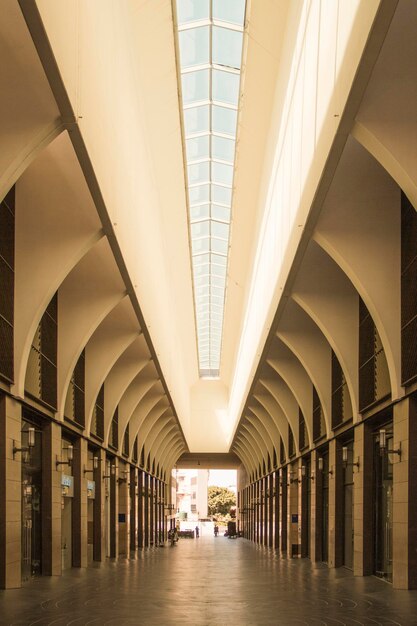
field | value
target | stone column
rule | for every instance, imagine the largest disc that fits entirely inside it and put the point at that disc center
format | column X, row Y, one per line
column 283, row 489
column 292, row 511
column 10, row 494
column 123, row 512
column 404, row 539
column 51, row 500
column 266, row 510
column 114, row 512
column 252, row 512
column 303, row 512
column 99, row 545
column 140, row 509
column 79, row 505
column 151, row 511
column 271, row 501
column 336, row 538
column 261, row 510
column 133, row 508
column 146, row 510
column 362, row 503
column 315, row 519
column 277, row 510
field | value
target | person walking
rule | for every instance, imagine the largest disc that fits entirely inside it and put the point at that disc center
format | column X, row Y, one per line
column 197, row 532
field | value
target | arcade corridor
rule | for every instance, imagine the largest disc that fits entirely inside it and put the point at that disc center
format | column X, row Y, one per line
column 208, row 582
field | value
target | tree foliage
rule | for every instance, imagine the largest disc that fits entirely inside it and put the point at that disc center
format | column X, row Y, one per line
column 220, row 499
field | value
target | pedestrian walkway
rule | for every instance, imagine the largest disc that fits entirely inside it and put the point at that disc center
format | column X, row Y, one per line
column 208, row 581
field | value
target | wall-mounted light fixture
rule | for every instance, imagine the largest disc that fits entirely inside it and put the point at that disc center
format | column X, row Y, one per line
column 70, row 456
column 383, row 444
column 345, row 457
column 112, row 472
column 95, row 466
column 321, row 466
column 31, row 442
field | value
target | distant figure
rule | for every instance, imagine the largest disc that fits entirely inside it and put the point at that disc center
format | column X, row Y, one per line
column 197, row 532
column 216, row 530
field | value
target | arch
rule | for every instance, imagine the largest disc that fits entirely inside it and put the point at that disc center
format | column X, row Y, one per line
column 286, row 364
column 304, row 338
column 366, row 244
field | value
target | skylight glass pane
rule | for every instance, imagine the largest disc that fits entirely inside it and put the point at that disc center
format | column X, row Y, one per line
column 229, row 11
column 222, row 173
column 223, row 195
column 203, row 316
column 219, row 245
column 199, row 195
column 219, row 229
column 218, row 281
column 225, row 87
column 195, row 86
column 200, row 229
column 197, row 120
column 219, row 260
column 194, row 46
column 219, row 302
column 192, row 10
column 199, row 212
column 227, row 47
column 201, row 270
column 220, row 213
column 198, row 148
column 224, row 120
column 217, row 270
column 216, row 291
column 199, row 173
column 201, row 281
column 200, row 245
column 201, row 259
column 223, row 149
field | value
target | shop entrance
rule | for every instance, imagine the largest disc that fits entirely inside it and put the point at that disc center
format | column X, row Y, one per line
column 31, row 505
column 383, row 495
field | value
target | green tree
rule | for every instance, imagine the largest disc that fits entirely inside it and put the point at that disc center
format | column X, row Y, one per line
column 220, row 499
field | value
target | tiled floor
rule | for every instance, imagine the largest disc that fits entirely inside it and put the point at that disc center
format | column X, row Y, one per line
column 208, row 581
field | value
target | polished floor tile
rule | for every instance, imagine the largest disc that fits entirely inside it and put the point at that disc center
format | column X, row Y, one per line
column 205, row 582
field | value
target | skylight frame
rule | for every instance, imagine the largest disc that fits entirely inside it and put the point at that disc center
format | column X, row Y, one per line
column 212, row 179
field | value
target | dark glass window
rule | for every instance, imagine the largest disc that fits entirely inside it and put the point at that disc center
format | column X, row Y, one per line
column 135, row 449
column 282, row 458
column 374, row 383
column 318, row 417
column 408, row 291
column 125, row 450
column 114, row 430
column 75, row 401
column 41, row 373
column 97, row 426
column 291, row 443
column 7, row 253
column 302, row 430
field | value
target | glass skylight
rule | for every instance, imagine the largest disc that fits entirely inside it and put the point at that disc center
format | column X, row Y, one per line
column 210, row 39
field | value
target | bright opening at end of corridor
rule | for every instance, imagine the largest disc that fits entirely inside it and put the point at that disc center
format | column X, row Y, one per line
column 204, row 499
